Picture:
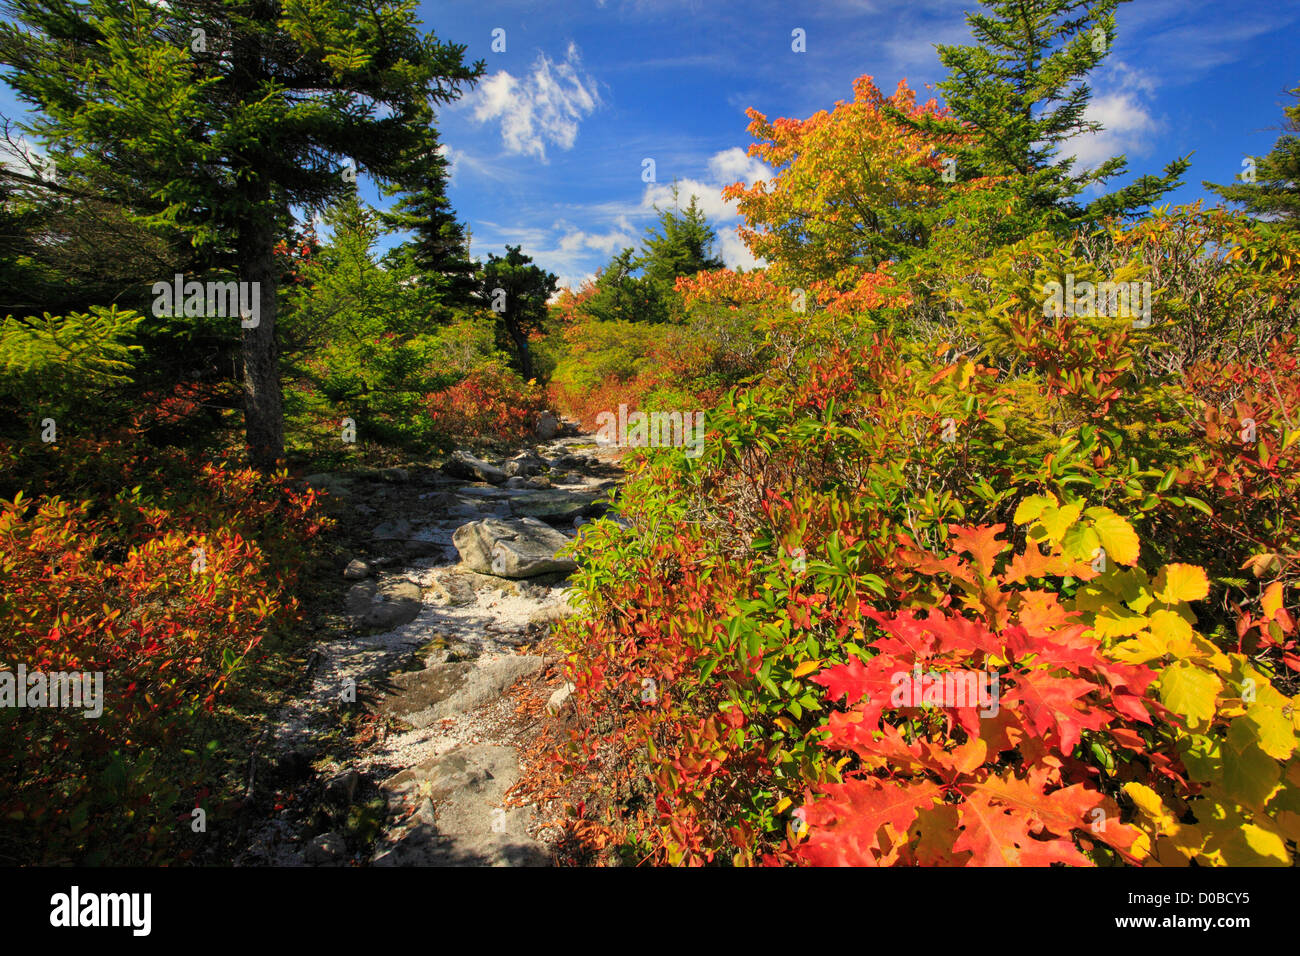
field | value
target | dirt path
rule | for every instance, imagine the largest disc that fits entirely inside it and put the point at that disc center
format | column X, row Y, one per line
column 404, row 741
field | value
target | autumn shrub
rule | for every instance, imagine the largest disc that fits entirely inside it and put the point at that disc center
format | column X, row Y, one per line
column 161, row 571
column 715, row 341
column 491, row 403
column 847, row 522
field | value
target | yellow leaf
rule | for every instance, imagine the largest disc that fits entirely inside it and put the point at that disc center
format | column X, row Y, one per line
column 1149, row 802
column 1170, row 627
column 1261, row 564
column 1033, row 506
column 1145, row 647
column 1249, row 774
column 1288, row 821
column 964, row 372
column 1272, row 600
column 1056, row 521
column 1117, row 536
column 806, row 667
column 1181, row 582
column 1249, row 845
column 1189, row 690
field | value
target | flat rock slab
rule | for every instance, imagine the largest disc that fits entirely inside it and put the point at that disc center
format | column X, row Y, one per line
column 386, row 606
column 450, row 589
column 459, row 819
column 511, row 547
column 392, row 530
column 555, row 505
column 421, row 698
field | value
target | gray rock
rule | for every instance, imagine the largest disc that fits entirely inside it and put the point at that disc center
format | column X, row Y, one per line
column 356, row 570
column 421, row 698
column 360, row 597
column 392, row 530
column 395, row 474
column 468, row 468
column 336, row 485
column 551, row 613
column 385, row 606
column 469, row 826
column 450, row 589
column 420, row 548
column 559, row 700
column 554, row 505
column 511, row 547
column 325, row 849
column 524, row 465
column 547, row 426
column 342, row 789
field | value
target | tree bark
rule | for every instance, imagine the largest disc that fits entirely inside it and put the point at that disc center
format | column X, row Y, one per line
column 521, row 345
column 263, row 407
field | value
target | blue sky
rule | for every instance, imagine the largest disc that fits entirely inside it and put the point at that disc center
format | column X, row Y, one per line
column 548, row 150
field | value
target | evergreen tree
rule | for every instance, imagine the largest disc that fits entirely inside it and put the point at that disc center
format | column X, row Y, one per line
column 1022, row 88
column 438, row 253
column 622, row 296
column 681, row 244
column 1273, row 192
column 221, row 117
column 516, row 291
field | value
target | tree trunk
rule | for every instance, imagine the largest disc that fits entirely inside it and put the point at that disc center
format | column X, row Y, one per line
column 263, row 409
column 521, row 346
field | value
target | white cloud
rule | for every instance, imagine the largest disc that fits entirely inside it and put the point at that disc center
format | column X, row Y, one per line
column 726, row 167
column 734, row 252
column 736, row 165
column 1127, row 123
column 574, row 242
column 544, row 107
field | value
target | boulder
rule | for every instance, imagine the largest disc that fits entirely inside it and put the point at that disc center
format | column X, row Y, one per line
column 421, row 548
column 326, row 849
column 524, row 465
column 511, row 547
column 356, row 570
column 450, row 589
column 466, row 467
column 470, row 825
column 336, row 485
column 422, row 698
column 547, row 426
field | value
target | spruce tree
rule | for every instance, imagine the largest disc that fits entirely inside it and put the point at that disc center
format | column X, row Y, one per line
column 1022, row 87
column 516, row 291
column 1272, row 189
column 437, row 255
column 680, row 244
column 221, row 117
